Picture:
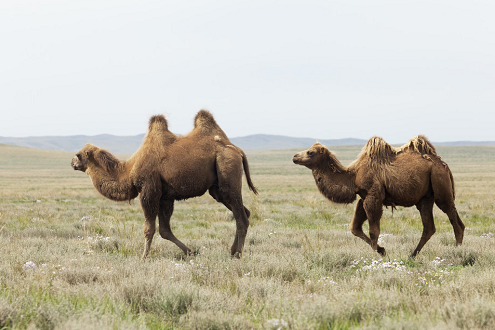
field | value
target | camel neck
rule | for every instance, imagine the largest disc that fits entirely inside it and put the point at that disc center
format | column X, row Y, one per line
column 114, row 184
column 336, row 185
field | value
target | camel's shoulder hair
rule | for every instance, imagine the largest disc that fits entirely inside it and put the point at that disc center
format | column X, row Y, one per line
column 419, row 144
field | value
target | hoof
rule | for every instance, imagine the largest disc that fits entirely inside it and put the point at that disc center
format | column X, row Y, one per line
column 237, row 255
column 192, row 253
column 381, row 251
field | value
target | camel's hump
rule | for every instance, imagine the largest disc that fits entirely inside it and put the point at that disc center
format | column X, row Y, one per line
column 419, row 144
column 378, row 148
column 158, row 121
column 204, row 119
column 206, row 124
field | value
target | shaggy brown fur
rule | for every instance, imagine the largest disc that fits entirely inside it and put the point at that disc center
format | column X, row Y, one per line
column 382, row 175
column 167, row 168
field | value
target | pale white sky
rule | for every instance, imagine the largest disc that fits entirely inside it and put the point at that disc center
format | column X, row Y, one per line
column 320, row 69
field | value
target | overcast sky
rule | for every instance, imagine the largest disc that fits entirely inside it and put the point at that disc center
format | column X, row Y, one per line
column 320, row 69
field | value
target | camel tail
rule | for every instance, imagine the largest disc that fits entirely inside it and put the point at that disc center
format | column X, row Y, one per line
column 246, row 172
column 452, row 181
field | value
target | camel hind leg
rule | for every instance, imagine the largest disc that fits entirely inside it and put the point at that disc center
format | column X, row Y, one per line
column 229, row 192
column 425, row 208
column 443, row 192
column 164, row 214
column 455, row 220
column 215, row 193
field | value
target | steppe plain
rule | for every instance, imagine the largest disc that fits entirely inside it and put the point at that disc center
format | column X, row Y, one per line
column 71, row 258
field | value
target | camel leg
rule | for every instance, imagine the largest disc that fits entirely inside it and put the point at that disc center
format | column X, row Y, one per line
column 425, row 207
column 215, row 193
column 242, row 224
column 229, row 172
column 443, row 191
column 357, row 222
column 164, row 214
column 374, row 209
column 455, row 220
column 150, row 200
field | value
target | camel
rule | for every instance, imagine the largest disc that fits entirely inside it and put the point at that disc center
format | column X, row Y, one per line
column 167, row 168
column 386, row 176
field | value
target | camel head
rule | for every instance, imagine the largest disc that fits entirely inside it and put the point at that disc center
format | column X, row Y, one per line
column 90, row 155
column 312, row 156
column 81, row 160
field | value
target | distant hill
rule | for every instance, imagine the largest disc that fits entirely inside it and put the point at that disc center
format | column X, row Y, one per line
column 267, row 142
column 129, row 144
column 116, row 144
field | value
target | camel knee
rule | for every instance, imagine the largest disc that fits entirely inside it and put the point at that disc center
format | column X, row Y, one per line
column 356, row 231
column 165, row 234
column 248, row 213
column 149, row 231
column 428, row 233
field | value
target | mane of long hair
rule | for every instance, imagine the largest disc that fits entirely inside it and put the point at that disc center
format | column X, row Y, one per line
column 375, row 154
column 419, row 144
column 106, row 159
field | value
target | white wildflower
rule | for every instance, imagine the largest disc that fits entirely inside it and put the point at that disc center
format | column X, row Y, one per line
column 276, row 324
column 381, row 238
column 29, row 266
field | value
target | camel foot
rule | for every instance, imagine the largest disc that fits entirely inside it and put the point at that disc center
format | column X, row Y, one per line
column 237, row 255
column 381, row 251
column 192, row 253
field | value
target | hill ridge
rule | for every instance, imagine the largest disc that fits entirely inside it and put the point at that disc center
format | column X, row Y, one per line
column 129, row 144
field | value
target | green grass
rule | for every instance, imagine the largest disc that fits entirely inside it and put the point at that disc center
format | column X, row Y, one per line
column 71, row 258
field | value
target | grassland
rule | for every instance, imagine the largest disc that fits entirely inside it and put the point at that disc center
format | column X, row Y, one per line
column 70, row 259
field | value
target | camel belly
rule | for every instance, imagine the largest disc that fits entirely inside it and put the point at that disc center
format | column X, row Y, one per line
column 187, row 183
column 406, row 194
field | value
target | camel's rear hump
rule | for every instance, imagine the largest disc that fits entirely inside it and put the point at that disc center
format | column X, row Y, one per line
column 420, row 144
column 206, row 125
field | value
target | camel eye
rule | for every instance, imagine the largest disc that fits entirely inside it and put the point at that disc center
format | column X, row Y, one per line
column 311, row 153
column 78, row 156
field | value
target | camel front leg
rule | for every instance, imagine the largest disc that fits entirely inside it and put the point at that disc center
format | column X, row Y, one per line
column 149, row 232
column 164, row 214
column 374, row 209
column 357, row 226
column 149, row 204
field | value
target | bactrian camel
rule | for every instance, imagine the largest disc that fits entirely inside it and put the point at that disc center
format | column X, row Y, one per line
column 168, row 167
column 382, row 175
